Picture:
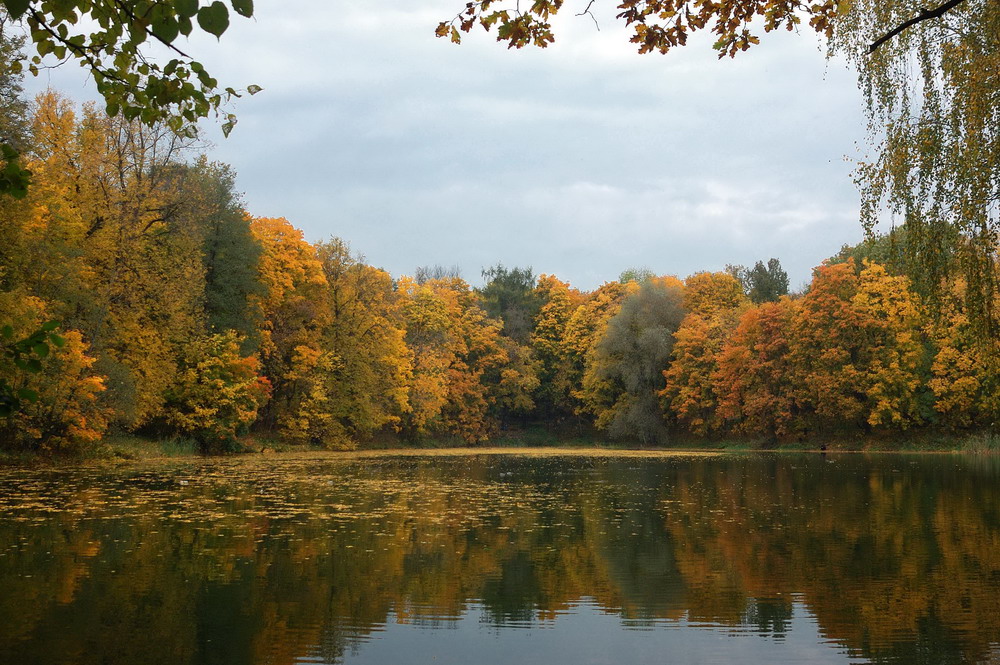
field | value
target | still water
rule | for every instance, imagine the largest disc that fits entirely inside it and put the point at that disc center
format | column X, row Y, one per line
column 481, row 559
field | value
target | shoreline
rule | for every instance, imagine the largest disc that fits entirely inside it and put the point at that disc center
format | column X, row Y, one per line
column 125, row 449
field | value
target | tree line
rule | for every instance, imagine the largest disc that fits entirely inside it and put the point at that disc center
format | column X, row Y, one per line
column 183, row 315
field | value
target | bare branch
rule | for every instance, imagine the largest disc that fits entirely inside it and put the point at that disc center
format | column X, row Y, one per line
column 587, row 11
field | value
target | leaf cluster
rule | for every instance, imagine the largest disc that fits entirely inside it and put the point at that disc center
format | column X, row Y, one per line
column 658, row 25
column 26, row 354
column 112, row 39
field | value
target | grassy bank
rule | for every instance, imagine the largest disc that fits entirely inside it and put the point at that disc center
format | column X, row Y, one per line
column 122, row 447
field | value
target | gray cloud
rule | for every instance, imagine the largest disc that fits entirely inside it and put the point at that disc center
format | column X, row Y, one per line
column 580, row 160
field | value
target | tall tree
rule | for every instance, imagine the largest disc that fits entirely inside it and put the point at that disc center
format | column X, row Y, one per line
column 965, row 371
column 555, row 376
column 509, row 295
column 933, row 100
column 14, row 116
column 229, row 249
column 368, row 380
column 455, row 346
column 294, row 311
column 126, row 260
column 754, row 381
column 762, row 283
column 714, row 302
column 624, row 374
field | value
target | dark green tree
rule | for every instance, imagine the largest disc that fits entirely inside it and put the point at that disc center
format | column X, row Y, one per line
column 230, row 252
column 762, row 283
column 509, row 295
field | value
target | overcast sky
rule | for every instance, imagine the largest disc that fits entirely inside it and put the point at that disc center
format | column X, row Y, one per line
column 580, row 160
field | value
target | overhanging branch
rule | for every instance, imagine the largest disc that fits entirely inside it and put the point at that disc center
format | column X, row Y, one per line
column 922, row 16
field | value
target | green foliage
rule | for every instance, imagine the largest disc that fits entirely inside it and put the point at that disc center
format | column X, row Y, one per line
column 230, row 253
column 625, row 369
column 762, row 283
column 26, row 355
column 887, row 249
column 509, row 295
column 112, row 38
column 638, row 275
column 14, row 177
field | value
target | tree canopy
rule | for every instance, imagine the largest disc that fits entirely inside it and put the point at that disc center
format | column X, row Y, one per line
column 931, row 81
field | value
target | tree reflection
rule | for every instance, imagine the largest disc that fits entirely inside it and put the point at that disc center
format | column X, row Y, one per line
column 896, row 557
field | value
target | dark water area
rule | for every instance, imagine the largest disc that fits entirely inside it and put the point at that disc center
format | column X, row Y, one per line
column 484, row 559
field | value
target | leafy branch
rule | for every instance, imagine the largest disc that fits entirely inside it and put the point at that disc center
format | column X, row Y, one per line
column 925, row 15
column 26, row 354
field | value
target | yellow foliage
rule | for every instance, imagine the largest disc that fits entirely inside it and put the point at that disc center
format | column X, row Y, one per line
column 217, row 392
column 68, row 414
column 455, row 345
column 965, row 372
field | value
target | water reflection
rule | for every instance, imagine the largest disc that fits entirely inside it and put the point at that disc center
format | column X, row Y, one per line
column 890, row 559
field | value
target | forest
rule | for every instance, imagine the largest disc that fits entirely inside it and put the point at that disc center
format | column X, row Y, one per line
column 139, row 296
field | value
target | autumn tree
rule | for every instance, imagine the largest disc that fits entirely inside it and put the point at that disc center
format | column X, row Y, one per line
column 126, row 259
column 754, row 381
column 714, row 304
column 706, row 293
column 217, row 392
column 657, row 25
column 60, row 410
column 827, row 347
column 584, row 329
column 624, row 372
column 856, row 351
column 368, row 378
column 894, row 354
column 555, row 369
column 931, row 93
column 428, row 317
column 294, row 312
column 965, row 371
column 455, row 345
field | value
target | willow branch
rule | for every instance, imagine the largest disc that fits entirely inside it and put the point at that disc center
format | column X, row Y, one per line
column 925, row 15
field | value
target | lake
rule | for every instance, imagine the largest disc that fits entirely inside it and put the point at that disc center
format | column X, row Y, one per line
column 504, row 558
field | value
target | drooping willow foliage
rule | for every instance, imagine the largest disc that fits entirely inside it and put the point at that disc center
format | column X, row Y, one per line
column 931, row 88
column 933, row 104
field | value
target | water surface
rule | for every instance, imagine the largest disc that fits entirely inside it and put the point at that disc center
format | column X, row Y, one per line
column 485, row 559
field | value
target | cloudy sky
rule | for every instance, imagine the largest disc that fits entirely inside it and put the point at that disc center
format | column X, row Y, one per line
column 581, row 160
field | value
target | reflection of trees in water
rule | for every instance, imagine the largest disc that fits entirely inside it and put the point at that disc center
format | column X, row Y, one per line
column 896, row 557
